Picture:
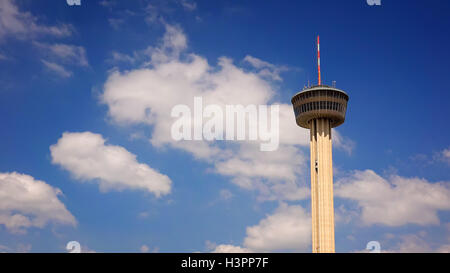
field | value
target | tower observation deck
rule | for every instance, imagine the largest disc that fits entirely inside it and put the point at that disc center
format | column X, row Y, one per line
column 320, row 101
column 320, row 108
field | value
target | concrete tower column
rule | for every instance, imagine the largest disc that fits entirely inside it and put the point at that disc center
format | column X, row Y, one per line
column 314, row 188
column 322, row 186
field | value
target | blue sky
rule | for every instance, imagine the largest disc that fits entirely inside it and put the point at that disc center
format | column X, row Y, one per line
column 96, row 71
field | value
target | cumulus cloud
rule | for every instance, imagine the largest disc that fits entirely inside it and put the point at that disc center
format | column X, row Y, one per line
column 444, row 249
column 266, row 69
column 230, row 249
column 446, row 153
column 395, row 201
column 20, row 248
column 342, row 142
column 419, row 242
column 412, row 243
column 116, row 23
column 107, row 3
column 444, row 156
column 188, row 5
column 57, row 69
column 287, row 229
column 274, row 176
column 147, row 249
column 87, row 157
column 26, row 202
column 24, row 25
column 144, row 249
column 447, row 226
column 117, row 57
column 225, row 194
column 156, row 11
column 171, row 76
column 69, row 54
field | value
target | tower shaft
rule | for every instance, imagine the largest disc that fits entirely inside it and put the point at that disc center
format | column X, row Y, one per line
column 322, row 186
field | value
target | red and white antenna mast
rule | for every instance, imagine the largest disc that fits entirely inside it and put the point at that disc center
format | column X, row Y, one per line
column 318, row 59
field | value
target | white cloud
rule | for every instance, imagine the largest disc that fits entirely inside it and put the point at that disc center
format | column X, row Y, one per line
column 282, row 164
column 143, row 215
column 257, row 63
column 147, row 95
column 406, row 243
column 87, row 157
column 412, row 243
column 446, row 153
column 4, row 249
column 230, row 249
column 69, row 54
column 116, row 23
column 157, row 11
column 289, row 228
column 58, row 69
column 144, row 249
column 188, row 5
column 171, row 76
column 107, row 3
column 447, row 226
column 152, row 13
column 20, row 248
column 266, row 69
column 26, row 202
column 445, row 156
column 23, row 25
column 416, row 243
column 274, row 175
column 86, row 249
column 395, row 201
column 444, row 249
column 118, row 57
column 225, row 194
column 419, row 242
column 342, row 142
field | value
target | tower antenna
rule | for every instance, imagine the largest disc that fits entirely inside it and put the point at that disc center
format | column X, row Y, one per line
column 318, row 58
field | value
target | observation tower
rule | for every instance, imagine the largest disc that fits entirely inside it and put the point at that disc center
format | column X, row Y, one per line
column 320, row 108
